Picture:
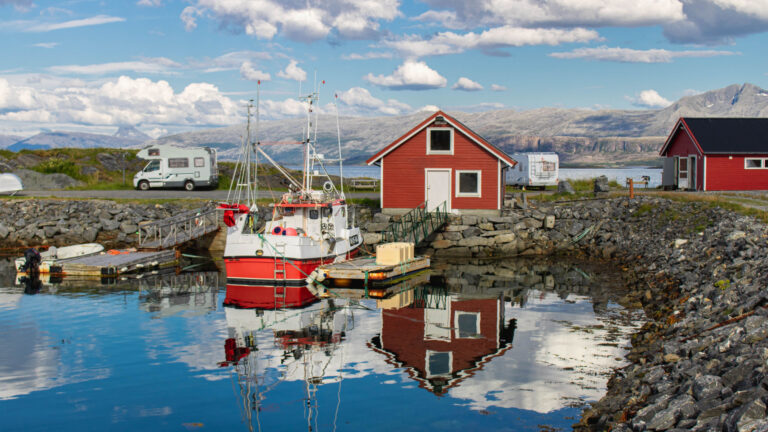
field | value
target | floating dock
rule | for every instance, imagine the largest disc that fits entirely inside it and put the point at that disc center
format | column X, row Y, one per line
column 110, row 264
column 365, row 272
column 393, row 292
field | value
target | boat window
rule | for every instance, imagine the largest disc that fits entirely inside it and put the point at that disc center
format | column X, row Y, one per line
column 314, row 214
column 468, row 183
column 152, row 166
column 199, row 162
column 178, row 163
column 440, row 141
column 326, row 212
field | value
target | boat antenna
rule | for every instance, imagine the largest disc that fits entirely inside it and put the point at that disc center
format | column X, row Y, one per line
column 338, row 138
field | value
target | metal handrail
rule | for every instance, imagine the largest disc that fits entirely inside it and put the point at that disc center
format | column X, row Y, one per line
column 178, row 229
column 417, row 224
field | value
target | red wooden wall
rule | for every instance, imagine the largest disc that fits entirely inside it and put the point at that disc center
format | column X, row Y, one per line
column 402, row 334
column 403, row 172
column 728, row 173
column 683, row 145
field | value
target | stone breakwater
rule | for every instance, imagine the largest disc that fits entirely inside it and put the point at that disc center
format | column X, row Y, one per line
column 700, row 274
column 65, row 222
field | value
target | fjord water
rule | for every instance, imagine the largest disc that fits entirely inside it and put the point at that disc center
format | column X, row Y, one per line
column 511, row 345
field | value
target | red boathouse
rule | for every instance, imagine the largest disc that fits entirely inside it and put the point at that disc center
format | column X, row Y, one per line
column 442, row 161
column 711, row 154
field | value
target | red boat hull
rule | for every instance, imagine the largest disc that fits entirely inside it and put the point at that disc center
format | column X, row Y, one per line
column 261, row 270
column 267, row 297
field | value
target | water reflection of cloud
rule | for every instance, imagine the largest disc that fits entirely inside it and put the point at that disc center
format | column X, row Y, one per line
column 558, row 358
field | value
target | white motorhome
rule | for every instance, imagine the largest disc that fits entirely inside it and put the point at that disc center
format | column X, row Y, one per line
column 170, row 166
column 534, row 170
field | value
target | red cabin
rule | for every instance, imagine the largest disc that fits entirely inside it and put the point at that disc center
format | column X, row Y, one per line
column 717, row 154
column 442, row 161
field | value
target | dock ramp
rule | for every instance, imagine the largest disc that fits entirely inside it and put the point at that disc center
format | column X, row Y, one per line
column 416, row 225
column 174, row 231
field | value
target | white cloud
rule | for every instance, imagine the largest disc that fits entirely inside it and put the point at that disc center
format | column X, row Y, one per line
column 189, row 17
column 48, row 45
column 650, row 99
column 466, row 84
column 157, row 132
column 158, row 65
column 444, row 18
column 718, row 21
column 498, row 88
column 117, row 102
column 628, row 55
column 86, row 22
column 411, row 75
column 249, row 73
column 151, row 3
column 264, row 19
column 490, row 40
column 429, row 108
column 229, row 61
column 293, row 72
column 20, row 5
column 561, row 13
column 367, row 56
column 362, row 102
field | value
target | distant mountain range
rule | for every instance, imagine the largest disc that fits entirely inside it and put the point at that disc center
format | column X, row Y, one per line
column 580, row 136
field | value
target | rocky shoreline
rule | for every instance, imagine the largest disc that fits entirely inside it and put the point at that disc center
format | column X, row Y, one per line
column 697, row 270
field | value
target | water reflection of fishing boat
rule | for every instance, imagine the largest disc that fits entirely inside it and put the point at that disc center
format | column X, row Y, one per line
column 170, row 294
column 443, row 338
column 268, row 346
column 307, row 228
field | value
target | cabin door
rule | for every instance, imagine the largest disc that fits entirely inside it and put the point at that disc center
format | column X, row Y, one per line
column 692, row 172
column 682, row 172
column 438, row 188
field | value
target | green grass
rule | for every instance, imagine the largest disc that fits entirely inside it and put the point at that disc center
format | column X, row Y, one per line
column 55, row 165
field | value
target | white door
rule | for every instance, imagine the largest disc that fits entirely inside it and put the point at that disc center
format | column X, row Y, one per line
column 682, row 173
column 438, row 188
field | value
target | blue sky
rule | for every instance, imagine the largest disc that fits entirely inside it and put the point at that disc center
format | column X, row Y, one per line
column 167, row 66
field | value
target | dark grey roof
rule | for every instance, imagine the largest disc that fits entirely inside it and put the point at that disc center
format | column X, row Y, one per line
column 729, row 135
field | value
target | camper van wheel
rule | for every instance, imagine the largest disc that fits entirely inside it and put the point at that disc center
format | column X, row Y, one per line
column 143, row 185
column 189, row 185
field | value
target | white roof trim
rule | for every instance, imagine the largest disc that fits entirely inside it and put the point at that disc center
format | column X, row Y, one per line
column 409, row 136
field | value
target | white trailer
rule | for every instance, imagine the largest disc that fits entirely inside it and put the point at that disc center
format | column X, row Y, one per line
column 534, row 170
column 10, row 184
column 170, row 166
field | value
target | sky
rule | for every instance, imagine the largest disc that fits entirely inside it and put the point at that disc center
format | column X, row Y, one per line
column 166, row 66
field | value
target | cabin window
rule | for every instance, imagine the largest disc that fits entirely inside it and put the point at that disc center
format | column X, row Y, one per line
column 314, row 214
column 439, row 363
column 178, row 163
column 440, row 141
column 547, row 166
column 326, row 212
column 754, row 163
column 467, row 183
column 152, row 166
column 199, row 162
column 467, row 324
column 153, row 152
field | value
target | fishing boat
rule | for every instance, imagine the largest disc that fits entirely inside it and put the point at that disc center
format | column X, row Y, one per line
column 308, row 227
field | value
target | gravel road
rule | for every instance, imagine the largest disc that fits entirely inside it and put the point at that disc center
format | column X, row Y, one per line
column 211, row 195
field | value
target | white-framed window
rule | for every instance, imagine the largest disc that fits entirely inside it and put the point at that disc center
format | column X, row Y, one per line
column 755, row 163
column 199, row 162
column 468, row 183
column 440, row 140
column 178, row 163
column 466, row 324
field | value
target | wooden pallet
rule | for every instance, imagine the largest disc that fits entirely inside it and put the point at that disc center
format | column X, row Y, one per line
column 395, row 293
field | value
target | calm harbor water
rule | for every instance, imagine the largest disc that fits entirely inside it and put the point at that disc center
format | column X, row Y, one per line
column 503, row 346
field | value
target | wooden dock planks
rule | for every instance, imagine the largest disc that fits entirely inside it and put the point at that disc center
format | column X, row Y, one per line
column 366, row 269
column 110, row 265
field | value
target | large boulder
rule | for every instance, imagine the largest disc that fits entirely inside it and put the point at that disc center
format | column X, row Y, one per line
column 33, row 180
column 601, row 184
column 564, row 186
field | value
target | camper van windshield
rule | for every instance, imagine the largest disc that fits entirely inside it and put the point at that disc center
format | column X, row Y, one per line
column 152, row 166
